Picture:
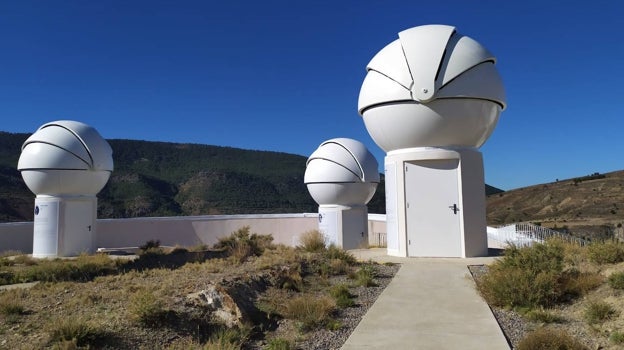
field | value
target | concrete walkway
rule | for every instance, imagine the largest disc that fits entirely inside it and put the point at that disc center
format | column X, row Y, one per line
column 430, row 304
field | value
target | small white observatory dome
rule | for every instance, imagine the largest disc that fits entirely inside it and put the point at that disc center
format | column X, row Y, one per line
column 341, row 172
column 431, row 87
column 65, row 158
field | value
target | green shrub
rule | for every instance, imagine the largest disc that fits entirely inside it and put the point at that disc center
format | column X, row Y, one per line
column 278, row 344
column 549, row 339
column 365, row 276
column 313, row 241
column 544, row 316
column 607, row 252
column 617, row 337
column 598, row 312
column 531, row 277
column 146, row 309
column 341, row 294
column 616, row 280
column 309, row 310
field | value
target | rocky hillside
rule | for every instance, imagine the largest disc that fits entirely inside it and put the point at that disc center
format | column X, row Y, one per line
column 589, row 206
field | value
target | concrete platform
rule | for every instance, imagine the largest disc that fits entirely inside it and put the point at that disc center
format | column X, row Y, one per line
column 430, row 304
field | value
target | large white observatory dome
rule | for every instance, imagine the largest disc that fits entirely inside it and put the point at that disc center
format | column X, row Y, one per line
column 431, row 87
column 65, row 158
column 341, row 172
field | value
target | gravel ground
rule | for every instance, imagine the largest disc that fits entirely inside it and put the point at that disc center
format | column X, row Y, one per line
column 350, row 317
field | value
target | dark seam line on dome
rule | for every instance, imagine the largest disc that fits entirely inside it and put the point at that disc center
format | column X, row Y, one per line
column 460, row 74
column 73, row 169
column 389, row 77
column 64, row 149
column 329, row 160
column 388, row 104
column 79, row 139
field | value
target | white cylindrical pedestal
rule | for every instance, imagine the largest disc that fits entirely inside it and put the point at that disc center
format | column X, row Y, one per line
column 345, row 227
column 435, row 203
column 64, row 226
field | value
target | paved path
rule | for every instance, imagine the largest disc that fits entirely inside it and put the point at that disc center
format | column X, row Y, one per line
column 430, row 304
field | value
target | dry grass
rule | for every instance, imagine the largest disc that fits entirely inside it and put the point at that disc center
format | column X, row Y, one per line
column 309, row 310
column 549, row 339
column 143, row 304
column 313, row 241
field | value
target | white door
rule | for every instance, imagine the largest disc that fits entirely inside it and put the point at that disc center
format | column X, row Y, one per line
column 432, row 208
column 79, row 222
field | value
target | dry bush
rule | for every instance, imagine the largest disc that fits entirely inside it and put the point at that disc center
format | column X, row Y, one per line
column 616, row 280
column 607, row 252
column 549, row 339
column 533, row 277
column 69, row 330
column 544, row 316
column 313, row 241
column 146, row 309
column 11, row 303
column 309, row 310
column 278, row 255
column 242, row 245
column 334, row 252
column 598, row 312
column 82, row 269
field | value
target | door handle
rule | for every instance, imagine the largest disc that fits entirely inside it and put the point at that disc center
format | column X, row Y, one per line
column 454, row 208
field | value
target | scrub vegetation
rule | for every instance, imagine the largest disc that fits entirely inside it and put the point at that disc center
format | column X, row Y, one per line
column 243, row 293
column 568, row 296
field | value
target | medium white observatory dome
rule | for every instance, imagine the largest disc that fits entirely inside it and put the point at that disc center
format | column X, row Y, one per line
column 431, row 87
column 341, row 172
column 65, row 158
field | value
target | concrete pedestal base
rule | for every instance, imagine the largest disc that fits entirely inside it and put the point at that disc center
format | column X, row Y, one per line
column 435, row 203
column 64, row 226
column 346, row 227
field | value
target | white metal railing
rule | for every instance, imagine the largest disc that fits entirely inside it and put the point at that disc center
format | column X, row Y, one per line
column 524, row 234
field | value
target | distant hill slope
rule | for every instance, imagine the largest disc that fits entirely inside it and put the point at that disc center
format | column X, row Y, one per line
column 171, row 179
column 590, row 206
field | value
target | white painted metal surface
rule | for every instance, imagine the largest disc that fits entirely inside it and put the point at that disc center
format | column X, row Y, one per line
column 65, row 158
column 341, row 171
column 65, row 163
column 342, row 176
column 433, row 212
column 431, row 87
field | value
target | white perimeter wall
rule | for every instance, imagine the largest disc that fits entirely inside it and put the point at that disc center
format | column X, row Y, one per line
column 185, row 230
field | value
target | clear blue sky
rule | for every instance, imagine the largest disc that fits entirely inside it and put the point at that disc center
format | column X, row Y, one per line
column 285, row 75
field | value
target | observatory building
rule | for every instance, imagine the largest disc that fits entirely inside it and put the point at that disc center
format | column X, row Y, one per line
column 430, row 99
column 65, row 164
column 342, row 176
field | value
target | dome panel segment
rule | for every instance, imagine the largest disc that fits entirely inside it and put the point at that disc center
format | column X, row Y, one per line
column 465, row 54
column 378, row 89
column 322, row 170
column 61, row 138
column 38, row 155
column 482, row 82
column 424, row 49
column 338, row 154
column 390, row 61
column 96, row 146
